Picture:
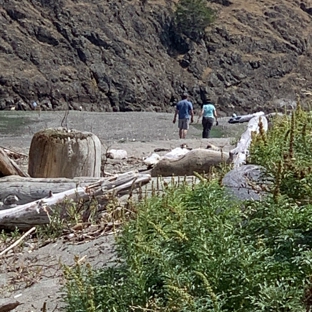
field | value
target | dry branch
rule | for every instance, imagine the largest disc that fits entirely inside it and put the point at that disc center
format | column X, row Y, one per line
column 12, row 153
column 9, row 306
column 18, row 241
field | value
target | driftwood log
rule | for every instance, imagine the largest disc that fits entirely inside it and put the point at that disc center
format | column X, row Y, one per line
column 64, row 153
column 38, row 212
column 9, row 306
column 16, row 190
column 239, row 154
column 197, row 160
column 244, row 118
column 8, row 166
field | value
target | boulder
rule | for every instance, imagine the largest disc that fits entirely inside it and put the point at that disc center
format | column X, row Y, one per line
column 247, row 182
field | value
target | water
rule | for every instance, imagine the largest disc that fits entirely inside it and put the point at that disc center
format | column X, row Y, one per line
column 13, row 123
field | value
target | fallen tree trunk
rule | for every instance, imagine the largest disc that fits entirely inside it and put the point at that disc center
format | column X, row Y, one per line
column 197, row 160
column 38, row 212
column 16, row 190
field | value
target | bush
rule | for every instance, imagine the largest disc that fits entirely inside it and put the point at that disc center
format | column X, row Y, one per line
column 285, row 151
column 195, row 249
column 192, row 17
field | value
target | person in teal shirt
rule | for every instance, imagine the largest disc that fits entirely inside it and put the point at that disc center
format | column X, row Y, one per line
column 208, row 114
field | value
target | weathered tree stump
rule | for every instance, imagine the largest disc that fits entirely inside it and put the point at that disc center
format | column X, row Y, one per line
column 58, row 152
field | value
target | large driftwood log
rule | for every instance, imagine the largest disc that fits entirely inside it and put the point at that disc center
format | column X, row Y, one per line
column 197, row 160
column 16, row 190
column 239, row 154
column 38, row 212
column 244, row 118
column 8, row 166
column 64, row 153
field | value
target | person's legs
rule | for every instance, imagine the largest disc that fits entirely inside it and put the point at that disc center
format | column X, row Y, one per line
column 181, row 133
column 204, row 123
column 183, row 127
column 207, row 125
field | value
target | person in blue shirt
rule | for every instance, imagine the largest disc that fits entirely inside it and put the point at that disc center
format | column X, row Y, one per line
column 184, row 110
column 209, row 114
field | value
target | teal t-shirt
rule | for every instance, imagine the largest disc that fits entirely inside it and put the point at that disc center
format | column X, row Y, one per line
column 208, row 110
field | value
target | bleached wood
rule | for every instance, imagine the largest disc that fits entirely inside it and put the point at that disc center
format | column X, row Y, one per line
column 64, row 153
column 197, row 160
column 239, row 154
column 16, row 190
column 37, row 212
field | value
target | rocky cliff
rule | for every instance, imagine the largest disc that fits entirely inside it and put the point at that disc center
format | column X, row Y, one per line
column 123, row 55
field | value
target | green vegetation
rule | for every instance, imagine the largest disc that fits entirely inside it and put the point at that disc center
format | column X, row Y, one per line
column 195, row 249
column 230, row 131
column 192, row 17
column 285, row 152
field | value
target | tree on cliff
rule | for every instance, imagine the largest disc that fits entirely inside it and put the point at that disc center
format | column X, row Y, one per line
column 192, row 17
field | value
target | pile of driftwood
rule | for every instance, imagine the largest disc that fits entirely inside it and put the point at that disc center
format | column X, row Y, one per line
column 31, row 201
column 27, row 201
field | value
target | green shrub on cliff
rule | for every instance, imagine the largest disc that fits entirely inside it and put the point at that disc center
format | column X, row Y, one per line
column 192, row 17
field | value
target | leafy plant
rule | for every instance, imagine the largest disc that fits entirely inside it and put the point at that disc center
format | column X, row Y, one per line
column 285, row 151
column 195, row 249
column 192, row 17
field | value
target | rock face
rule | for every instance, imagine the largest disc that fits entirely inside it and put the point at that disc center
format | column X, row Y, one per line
column 103, row 55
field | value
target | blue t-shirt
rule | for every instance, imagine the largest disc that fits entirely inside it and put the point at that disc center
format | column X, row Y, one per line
column 184, row 107
column 208, row 110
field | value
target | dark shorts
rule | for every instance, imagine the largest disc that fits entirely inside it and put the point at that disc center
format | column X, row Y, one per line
column 184, row 123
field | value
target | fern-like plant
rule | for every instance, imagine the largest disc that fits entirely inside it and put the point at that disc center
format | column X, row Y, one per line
column 285, row 151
